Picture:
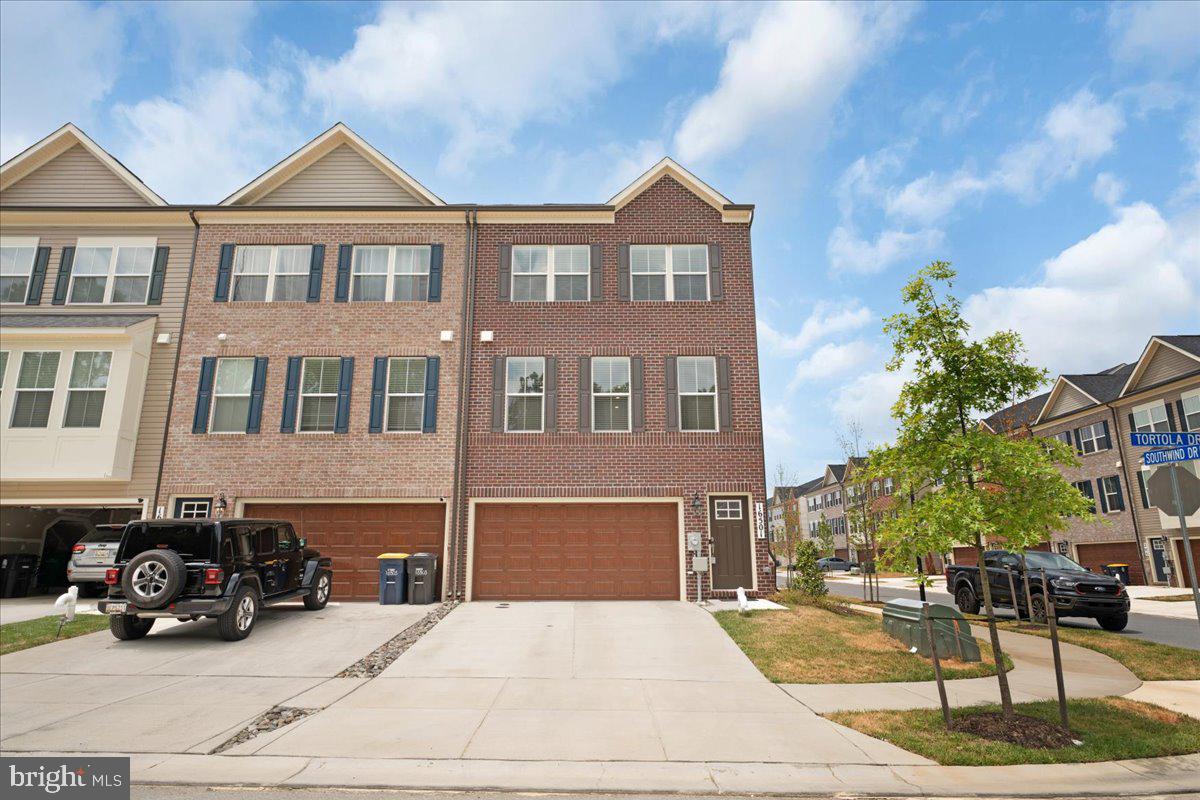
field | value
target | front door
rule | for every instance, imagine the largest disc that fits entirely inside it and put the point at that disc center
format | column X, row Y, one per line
column 729, row 522
column 1158, row 557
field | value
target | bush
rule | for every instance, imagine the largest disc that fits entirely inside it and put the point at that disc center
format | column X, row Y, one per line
column 808, row 578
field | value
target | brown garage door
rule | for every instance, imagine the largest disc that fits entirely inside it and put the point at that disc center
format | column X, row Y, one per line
column 1095, row 556
column 354, row 534
column 1180, row 564
column 576, row 551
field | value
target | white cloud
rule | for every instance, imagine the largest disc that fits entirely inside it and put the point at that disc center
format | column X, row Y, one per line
column 1161, row 35
column 788, row 69
column 57, row 62
column 778, row 424
column 204, row 32
column 868, row 400
column 831, row 361
column 848, row 252
column 931, row 197
column 596, row 173
column 1108, row 189
column 825, row 320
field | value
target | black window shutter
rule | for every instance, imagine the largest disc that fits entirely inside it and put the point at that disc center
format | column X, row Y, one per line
column 341, row 419
column 1107, row 436
column 37, row 279
column 224, row 274
column 433, row 366
column 1078, row 440
column 316, row 268
column 158, row 277
column 724, row 403
column 637, row 394
column 63, row 281
column 208, row 366
column 498, row 394
column 585, row 394
column 671, row 385
column 550, row 390
column 1142, row 489
column 341, row 290
column 435, row 273
column 623, row 272
column 1103, row 496
column 1132, row 424
column 291, row 395
column 257, row 387
column 503, row 276
column 716, row 288
column 378, row 394
column 597, row 266
column 1183, row 425
column 1170, row 416
column 1120, row 494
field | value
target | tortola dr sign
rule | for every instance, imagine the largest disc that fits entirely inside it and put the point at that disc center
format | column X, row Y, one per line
column 1164, row 439
column 1152, row 458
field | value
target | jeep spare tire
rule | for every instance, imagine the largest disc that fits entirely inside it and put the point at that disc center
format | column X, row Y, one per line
column 153, row 578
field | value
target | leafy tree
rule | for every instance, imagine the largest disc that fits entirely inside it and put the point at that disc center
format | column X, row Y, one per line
column 808, row 579
column 824, row 538
column 997, row 490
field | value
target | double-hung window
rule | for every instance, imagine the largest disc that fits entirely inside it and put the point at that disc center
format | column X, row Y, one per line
column 697, row 393
column 231, row 395
column 1093, row 438
column 16, row 265
column 111, row 271
column 386, row 273
column 610, row 394
column 1065, row 437
column 86, row 389
column 888, row 486
column 35, row 389
column 406, row 394
column 271, row 272
column 1152, row 417
column 551, row 273
column 1190, row 402
column 319, row 394
column 674, row 272
column 524, row 393
column 1085, row 489
column 1110, row 489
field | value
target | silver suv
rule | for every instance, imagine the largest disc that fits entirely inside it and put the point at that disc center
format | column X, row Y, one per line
column 92, row 556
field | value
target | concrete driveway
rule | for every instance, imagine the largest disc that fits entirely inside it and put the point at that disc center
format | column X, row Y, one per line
column 622, row 681
column 182, row 689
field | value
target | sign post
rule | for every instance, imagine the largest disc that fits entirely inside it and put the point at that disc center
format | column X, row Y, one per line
column 1187, row 545
column 1182, row 500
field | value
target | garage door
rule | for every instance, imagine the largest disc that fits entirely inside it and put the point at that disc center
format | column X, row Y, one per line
column 1095, row 556
column 354, row 534
column 1181, row 562
column 576, row 551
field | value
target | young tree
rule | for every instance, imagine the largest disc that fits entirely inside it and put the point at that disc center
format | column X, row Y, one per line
column 825, row 536
column 997, row 490
column 790, row 532
column 809, row 578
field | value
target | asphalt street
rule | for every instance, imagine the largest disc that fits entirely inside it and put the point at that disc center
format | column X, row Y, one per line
column 225, row 793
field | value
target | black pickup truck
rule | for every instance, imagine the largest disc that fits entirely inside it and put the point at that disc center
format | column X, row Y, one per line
column 223, row 568
column 1076, row 590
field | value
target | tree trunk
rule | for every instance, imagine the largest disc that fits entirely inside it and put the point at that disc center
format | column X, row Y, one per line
column 993, row 632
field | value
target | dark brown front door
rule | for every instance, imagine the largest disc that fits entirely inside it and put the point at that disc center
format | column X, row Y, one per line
column 729, row 521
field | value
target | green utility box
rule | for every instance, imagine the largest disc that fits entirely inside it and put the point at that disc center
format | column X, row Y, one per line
column 905, row 620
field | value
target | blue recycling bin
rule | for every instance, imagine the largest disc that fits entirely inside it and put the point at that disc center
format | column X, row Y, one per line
column 393, row 582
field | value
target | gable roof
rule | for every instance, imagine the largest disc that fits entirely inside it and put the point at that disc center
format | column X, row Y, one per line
column 337, row 136
column 1017, row 415
column 1096, row 387
column 668, row 166
column 808, row 486
column 68, row 136
column 838, row 471
column 1187, row 345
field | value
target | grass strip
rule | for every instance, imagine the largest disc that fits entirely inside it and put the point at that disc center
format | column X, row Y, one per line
column 33, row 632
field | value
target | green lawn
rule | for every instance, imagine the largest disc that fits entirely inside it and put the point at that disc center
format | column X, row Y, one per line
column 22, row 635
column 1171, row 598
column 1110, row 728
column 828, row 644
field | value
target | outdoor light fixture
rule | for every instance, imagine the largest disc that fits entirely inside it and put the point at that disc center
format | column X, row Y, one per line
column 222, row 504
column 696, row 502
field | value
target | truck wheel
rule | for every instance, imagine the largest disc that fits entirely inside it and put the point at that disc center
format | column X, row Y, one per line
column 966, row 600
column 237, row 622
column 319, row 596
column 127, row 627
column 153, row 578
column 1115, row 622
column 1039, row 609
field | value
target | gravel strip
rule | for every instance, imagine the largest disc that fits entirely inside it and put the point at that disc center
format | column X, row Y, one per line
column 267, row 721
column 382, row 657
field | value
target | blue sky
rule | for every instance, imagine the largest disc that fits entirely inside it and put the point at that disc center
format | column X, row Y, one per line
column 1050, row 150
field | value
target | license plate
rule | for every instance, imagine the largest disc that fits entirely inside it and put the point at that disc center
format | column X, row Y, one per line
column 116, row 608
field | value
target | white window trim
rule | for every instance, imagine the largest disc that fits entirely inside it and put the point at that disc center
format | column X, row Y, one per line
column 4, row 362
column 388, row 395
column 53, row 391
column 1091, row 437
column 542, row 394
column 22, row 241
column 212, row 417
column 271, row 273
column 133, row 243
column 727, row 506
column 303, row 394
column 1108, row 497
column 627, row 395
column 389, row 290
column 551, row 272
column 183, row 508
column 1150, row 407
column 669, row 295
column 67, row 398
column 715, row 395
column 1183, row 398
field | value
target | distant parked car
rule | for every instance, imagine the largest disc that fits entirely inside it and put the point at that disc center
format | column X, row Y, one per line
column 835, row 564
column 92, row 556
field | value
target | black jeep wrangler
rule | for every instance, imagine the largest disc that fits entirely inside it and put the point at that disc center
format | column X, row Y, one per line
column 223, row 568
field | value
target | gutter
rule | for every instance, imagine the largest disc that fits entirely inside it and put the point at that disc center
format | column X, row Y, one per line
column 462, row 428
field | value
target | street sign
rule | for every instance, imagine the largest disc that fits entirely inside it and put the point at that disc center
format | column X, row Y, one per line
column 1152, row 458
column 1158, row 486
column 1153, row 439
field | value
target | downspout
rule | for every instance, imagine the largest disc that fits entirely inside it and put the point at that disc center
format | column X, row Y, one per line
column 187, row 294
column 462, row 427
column 1137, row 534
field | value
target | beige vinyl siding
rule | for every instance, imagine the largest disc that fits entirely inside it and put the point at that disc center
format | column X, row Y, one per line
column 73, row 178
column 1166, row 364
column 152, row 426
column 1069, row 399
column 340, row 178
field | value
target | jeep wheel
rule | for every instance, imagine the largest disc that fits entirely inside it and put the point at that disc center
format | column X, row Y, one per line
column 966, row 600
column 319, row 596
column 1039, row 609
column 153, row 578
column 127, row 627
column 1115, row 622
column 237, row 622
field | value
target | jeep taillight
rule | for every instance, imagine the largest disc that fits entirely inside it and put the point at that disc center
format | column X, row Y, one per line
column 213, row 576
column 111, row 576
column 78, row 548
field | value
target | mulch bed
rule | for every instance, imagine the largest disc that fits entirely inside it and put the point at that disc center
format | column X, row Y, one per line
column 1021, row 730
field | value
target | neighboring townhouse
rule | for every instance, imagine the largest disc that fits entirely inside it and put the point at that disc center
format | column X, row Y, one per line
column 614, row 412
column 787, row 505
column 799, row 497
column 780, row 501
column 318, row 378
column 824, row 501
column 93, row 275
